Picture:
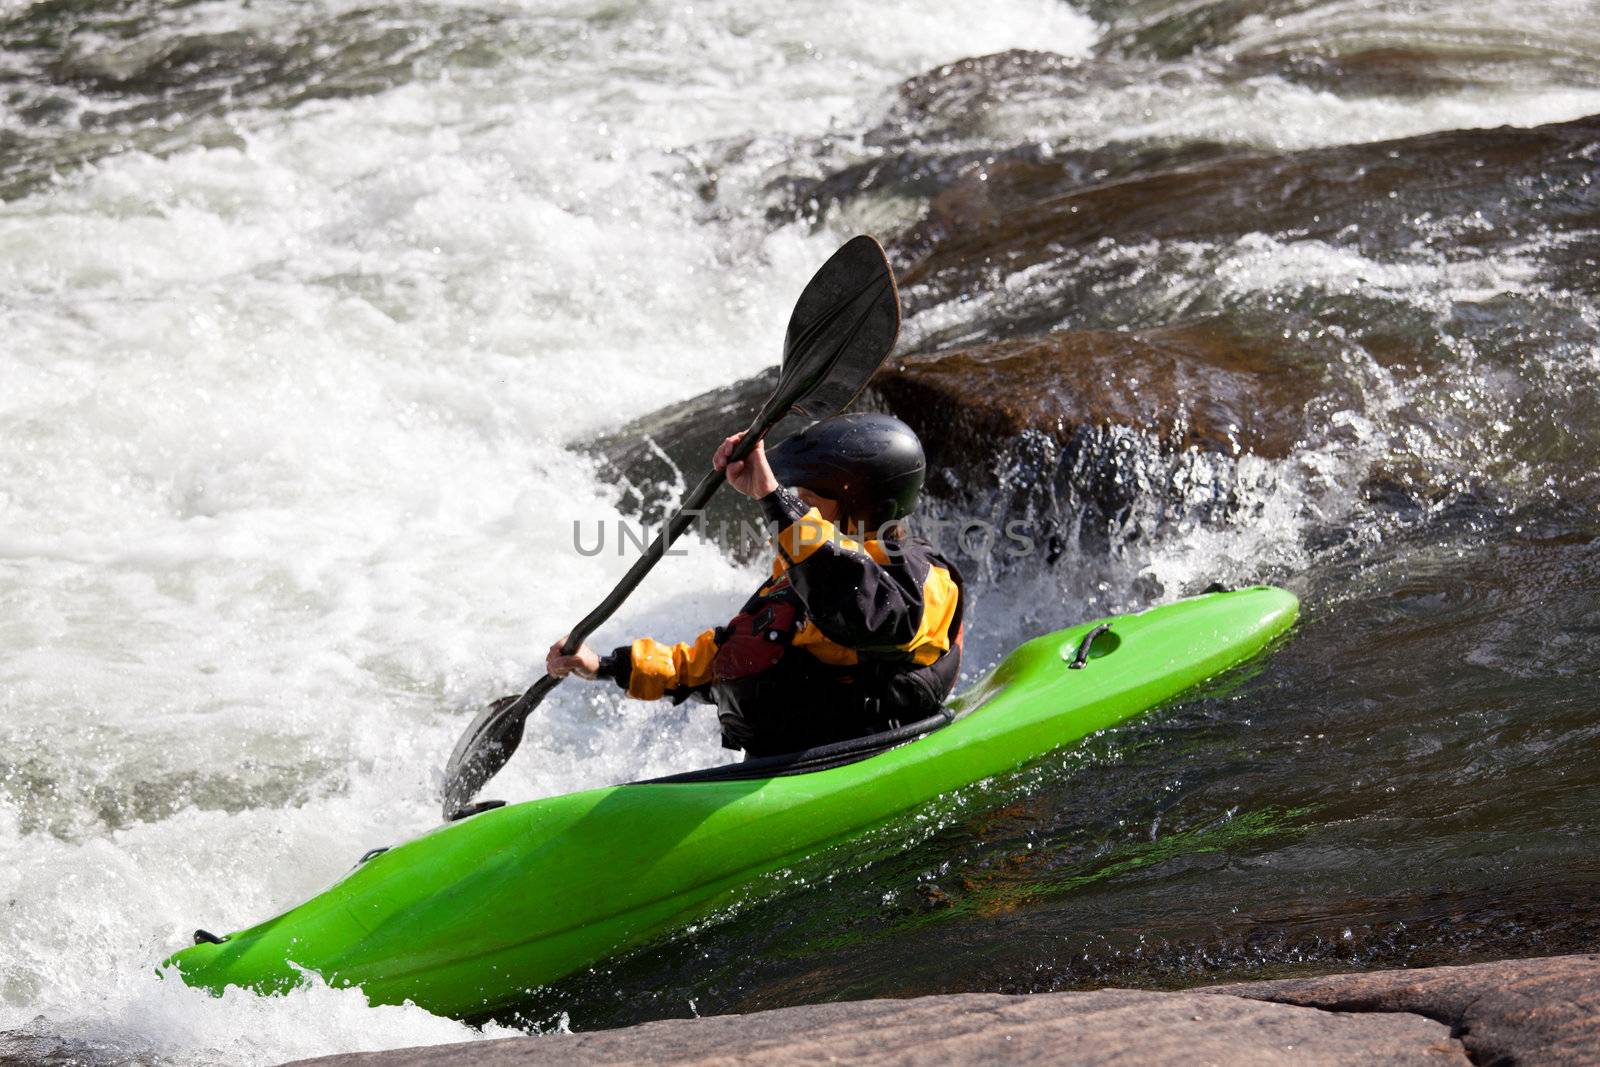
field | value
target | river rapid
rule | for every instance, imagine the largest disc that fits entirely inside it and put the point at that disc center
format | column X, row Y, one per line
column 306, row 308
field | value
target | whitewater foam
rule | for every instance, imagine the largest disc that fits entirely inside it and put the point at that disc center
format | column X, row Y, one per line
column 287, row 492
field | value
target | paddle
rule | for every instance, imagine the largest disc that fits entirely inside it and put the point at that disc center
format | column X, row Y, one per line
column 842, row 329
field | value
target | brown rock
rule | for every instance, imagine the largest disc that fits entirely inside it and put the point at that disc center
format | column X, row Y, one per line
column 1053, row 410
column 1382, row 198
column 1538, row 1011
column 1124, row 1027
column 1196, row 385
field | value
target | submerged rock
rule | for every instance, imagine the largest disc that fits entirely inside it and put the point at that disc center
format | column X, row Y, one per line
column 1436, row 290
column 1543, row 1011
column 1031, row 231
column 1200, row 385
column 1455, row 196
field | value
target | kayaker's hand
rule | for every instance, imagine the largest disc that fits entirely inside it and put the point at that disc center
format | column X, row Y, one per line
column 751, row 475
column 584, row 663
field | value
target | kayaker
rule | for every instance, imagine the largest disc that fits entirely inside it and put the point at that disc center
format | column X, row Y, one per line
column 857, row 630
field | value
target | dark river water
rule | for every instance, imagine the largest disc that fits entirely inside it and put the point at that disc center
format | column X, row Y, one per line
column 307, row 310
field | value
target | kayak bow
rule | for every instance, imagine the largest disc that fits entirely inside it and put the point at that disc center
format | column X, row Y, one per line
column 465, row 919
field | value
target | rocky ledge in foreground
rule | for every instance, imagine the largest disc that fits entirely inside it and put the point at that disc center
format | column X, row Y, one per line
column 1538, row 1011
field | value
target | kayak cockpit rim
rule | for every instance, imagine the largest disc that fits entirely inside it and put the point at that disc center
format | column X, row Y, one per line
column 806, row 761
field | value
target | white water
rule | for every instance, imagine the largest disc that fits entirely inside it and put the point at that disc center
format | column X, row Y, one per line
column 284, row 492
column 284, row 486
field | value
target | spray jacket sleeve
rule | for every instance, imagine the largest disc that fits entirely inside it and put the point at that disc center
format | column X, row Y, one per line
column 898, row 597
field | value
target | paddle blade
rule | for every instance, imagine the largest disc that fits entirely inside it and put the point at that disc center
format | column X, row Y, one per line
column 486, row 746
column 843, row 327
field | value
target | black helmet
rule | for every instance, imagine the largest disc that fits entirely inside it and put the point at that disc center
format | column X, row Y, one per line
column 871, row 464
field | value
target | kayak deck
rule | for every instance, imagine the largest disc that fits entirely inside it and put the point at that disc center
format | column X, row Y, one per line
column 465, row 918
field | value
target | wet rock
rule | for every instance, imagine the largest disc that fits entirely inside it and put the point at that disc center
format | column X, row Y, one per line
column 1086, row 436
column 1172, row 30
column 1039, row 236
column 1392, row 264
column 1110, row 1026
column 1201, row 385
column 1460, row 193
column 996, row 202
column 1409, row 71
column 1093, row 440
column 936, row 144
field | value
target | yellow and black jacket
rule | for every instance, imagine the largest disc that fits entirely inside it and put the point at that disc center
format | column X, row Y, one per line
column 845, row 639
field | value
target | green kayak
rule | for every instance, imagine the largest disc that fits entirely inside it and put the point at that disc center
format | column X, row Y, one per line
column 464, row 919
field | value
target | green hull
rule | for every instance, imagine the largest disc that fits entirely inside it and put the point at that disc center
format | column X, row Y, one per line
column 465, row 918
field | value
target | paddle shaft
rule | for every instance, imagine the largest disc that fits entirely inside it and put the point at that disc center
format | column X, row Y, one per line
column 842, row 329
column 681, row 520
column 687, row 512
